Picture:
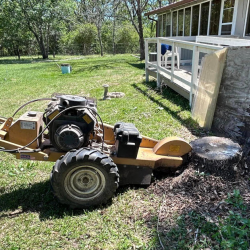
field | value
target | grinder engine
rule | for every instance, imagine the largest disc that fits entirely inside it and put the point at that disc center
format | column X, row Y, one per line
column 72, row 128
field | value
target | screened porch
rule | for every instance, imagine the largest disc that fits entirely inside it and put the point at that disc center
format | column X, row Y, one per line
column 182, row 75
column 193, row 28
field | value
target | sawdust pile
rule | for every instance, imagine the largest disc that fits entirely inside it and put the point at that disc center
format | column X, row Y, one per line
column 194, row 190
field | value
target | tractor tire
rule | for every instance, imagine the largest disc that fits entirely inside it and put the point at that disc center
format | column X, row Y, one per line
column 84, row 178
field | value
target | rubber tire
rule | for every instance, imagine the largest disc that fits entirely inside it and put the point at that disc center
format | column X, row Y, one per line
column 86, row 158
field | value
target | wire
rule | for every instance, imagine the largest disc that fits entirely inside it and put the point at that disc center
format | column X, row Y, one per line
column 35, row 100
column 47, row 125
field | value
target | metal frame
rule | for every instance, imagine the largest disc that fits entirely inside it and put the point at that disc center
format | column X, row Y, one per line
column 149, row 155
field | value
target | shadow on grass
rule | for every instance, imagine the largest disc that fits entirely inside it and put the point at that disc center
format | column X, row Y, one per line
column 92, row 68
column 39, row 198
column 173, row 97
column 35, row 198
column 101, row 64
column 22, row 61
column 13, row 61
column 138, row 65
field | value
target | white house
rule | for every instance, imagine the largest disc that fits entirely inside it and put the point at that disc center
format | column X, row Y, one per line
column 193, row 28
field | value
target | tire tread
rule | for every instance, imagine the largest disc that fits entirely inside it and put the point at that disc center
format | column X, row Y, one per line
column 82, row 156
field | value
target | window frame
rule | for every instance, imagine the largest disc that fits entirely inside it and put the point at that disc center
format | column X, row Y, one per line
column 229, row 23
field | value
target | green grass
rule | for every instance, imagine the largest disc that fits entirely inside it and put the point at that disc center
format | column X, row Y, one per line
column 30, row 218
column 141, row 105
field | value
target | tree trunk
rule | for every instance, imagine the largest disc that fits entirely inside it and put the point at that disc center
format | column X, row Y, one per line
column 217, row 155
column 18, row 52
column 41, row 46
column 141, row 38
column 100, row 40
column 39, row 39
column 47, row 42
column 113, row 37
column 43, row 49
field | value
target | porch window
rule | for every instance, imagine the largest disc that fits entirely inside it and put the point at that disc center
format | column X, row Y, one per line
column 227, row 18
column 195, row 20
column 187, row 21
column 211, row 17
column 180, row 23
column 174, row 23
column 164, row 25
column 160, row 25
column 168, row 25
column 215, row 17
column 204, row 18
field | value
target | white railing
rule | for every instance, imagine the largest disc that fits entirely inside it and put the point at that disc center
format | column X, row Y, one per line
column 196, row 48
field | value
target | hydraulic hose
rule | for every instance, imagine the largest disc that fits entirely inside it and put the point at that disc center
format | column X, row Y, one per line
column 35, row 100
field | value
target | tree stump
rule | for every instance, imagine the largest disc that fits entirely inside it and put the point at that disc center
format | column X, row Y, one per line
column 216, row 155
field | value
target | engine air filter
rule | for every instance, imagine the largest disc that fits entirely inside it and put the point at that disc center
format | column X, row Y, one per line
column 72, row 100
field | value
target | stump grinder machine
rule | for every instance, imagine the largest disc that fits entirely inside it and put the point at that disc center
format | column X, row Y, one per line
column 91, row 158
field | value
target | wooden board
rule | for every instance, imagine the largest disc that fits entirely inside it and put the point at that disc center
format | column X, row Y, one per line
column 207, row 91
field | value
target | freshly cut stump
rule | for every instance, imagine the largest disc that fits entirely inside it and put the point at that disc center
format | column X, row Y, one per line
column 216, row 155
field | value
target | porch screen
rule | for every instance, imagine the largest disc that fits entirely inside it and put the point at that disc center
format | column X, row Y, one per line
column 164, row 25
column 159, row 25
column 187, row 21
column 168, row 25
column 227, row 20
column 228, row 11
column 174, row 23
column 195, row 20
column 215, row 17
column 204, row 18
column 180, row 23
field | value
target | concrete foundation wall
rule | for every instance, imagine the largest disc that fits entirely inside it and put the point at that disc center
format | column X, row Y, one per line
column 232, row 113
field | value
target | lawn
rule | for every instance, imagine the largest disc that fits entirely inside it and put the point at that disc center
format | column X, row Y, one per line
column 30, row 218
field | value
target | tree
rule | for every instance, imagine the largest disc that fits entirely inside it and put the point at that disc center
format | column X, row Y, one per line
column 135, row 9
column 127, row 39
column 40, row 18
column 14, row 35
column 81, row 39
column 96, row 12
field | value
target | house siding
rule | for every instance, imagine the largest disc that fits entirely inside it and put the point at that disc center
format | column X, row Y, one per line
column 241, row 18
